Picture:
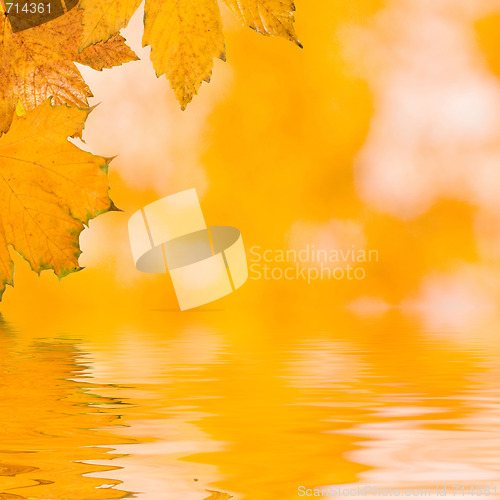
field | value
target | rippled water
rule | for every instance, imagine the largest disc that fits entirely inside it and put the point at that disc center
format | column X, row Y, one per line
column 202, row 405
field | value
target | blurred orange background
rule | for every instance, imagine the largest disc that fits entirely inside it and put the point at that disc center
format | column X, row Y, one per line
column 385, row 126
column 382, row 133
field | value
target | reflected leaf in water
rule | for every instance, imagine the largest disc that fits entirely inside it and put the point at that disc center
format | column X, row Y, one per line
column 47, row 422
column 218, row 495
column 14, row 470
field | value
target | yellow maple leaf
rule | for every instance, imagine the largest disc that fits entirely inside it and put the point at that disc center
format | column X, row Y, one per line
column 49, row 188
column 39, row 63
column 184, row 41
column 185, row 36
column 268, row 17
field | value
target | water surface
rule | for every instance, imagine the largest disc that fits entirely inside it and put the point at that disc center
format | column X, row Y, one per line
column 211, row 405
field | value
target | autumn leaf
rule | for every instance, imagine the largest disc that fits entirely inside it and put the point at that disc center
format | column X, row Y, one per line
column 185, row 36
column 39, row 63
column 49, row 188
column 268, row 17
column 104, row 18
column 184, row 41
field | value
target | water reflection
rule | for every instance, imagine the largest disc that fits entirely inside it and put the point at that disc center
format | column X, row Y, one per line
column 197, row 407
column 47, row 421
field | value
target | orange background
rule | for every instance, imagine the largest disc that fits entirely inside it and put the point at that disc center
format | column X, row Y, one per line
column 382, row 132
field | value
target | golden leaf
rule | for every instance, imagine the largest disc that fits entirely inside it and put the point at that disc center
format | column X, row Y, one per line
column 104, row 18
column 39, row 63
column 184, row 41
column 185, row 36
column 49, row 189
column 268, row 17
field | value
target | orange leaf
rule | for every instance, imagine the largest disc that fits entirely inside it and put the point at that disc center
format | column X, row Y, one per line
column 38, row 63
column 49, row 189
